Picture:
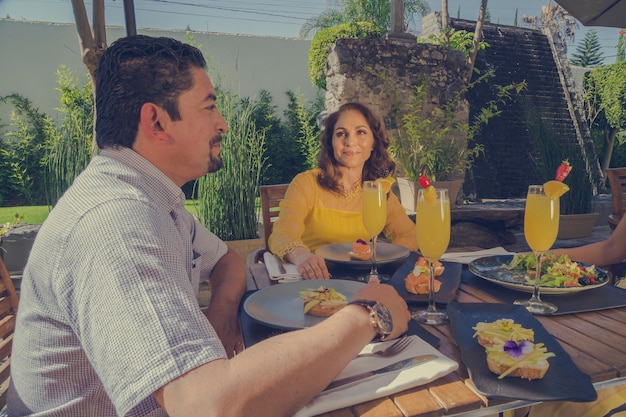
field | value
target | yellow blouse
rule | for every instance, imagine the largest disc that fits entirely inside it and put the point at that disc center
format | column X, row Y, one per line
column 312, row 216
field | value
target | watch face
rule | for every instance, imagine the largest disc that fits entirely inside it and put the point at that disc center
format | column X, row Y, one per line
column 384, row 318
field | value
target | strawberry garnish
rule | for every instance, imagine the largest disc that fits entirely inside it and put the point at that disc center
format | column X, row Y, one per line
column 563, row 170
column 424, row 181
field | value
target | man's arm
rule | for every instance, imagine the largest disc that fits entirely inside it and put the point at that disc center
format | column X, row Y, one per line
column 278, row 376
column 228, row 284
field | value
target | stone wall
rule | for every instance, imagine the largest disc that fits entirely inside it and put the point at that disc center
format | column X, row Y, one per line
column 382, row 73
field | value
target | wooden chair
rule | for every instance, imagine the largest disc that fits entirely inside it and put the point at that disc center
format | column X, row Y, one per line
column 8, row 310
column 271, row 196
column 617, row 180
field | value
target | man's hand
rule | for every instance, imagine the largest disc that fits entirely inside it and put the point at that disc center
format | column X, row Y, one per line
column 388, row 296
column 225, row 323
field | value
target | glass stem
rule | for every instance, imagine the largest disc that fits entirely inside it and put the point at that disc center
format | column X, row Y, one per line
column 431, row 291
column 537, row 276
column 374, row 270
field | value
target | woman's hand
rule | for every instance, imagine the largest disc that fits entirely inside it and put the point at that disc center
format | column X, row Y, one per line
column 308, row 264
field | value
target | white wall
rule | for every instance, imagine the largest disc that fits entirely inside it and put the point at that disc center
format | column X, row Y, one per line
column 31, row 52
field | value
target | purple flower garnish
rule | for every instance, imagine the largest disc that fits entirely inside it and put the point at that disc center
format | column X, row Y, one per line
column 516, row 351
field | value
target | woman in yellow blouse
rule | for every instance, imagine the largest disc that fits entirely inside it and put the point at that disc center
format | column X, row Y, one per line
column 323, row 205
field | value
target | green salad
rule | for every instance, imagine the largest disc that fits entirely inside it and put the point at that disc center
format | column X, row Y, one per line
column 556, row 271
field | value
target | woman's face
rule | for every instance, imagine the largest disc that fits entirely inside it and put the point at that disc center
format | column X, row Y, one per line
column 353, row 140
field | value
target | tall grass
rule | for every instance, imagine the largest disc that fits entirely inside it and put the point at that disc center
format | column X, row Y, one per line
column 70, row 149
column 226, row 198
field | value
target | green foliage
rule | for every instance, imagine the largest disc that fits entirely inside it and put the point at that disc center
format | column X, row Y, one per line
column 70, row 147
column 550, row 152
column 589, row 51
column 227, row 197
column 435, row 141
column 22, row 153
column 608, row 84
column 325, row 38
column 459, row 40
column 605, row 104
column 376, row 12
column 307, row 135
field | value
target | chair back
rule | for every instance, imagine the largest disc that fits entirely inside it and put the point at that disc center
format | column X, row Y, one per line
column 8, row 310
column 271, row 196
column 617, row 180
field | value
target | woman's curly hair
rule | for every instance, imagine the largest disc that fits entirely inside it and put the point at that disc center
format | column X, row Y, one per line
column 378, row 165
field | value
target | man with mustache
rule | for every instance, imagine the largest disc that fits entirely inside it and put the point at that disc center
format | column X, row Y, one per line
column 109, row 323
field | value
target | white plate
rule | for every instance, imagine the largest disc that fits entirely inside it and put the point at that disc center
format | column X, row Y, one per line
column 385, row 253
column 281, row 307
column 491, row 268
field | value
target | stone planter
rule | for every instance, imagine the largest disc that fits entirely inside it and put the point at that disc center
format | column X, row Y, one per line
column 575, row 226
column 408, row 191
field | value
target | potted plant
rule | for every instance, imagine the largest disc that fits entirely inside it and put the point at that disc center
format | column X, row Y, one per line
column 432, row 141
column 437, row 140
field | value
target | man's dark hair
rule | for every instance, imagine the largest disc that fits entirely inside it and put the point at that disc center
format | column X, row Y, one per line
column 135, row 70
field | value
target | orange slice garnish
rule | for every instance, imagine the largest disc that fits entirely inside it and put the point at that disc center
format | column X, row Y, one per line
column 430, row 194
column 386, row 182
column 555, row 189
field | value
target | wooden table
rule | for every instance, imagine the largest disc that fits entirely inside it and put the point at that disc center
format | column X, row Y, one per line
column 592, row 340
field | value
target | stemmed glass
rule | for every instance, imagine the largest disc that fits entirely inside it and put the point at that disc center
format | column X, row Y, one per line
column 432, row 227
column 374, row 218
column 541, row 225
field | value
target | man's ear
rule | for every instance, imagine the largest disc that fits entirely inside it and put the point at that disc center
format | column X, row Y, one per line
column 153, row 121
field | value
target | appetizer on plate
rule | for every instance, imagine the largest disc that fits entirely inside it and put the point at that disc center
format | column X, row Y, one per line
column 525, row 359
column 418, row 280
column 322, row 301
column 557, row 271
column 511, row 351
column 501, row 331
column 361, row 250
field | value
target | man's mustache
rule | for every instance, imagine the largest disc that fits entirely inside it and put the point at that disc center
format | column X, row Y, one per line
column 215, row 140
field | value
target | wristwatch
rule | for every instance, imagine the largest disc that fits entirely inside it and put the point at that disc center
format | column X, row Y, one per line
column 380, row 317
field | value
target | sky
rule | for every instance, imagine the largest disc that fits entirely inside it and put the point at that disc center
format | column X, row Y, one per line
column 282, row 18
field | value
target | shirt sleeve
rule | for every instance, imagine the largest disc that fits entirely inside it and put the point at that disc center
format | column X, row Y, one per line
column 295, row 206
column 131, row 302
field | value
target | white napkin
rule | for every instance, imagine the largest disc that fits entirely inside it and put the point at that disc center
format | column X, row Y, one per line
column 467, row 257
column 381, row 385
column 273, row 265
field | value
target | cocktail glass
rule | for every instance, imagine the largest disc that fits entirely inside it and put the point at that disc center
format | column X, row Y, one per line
column 374, row 218
column 432, row 227
column 541, row 225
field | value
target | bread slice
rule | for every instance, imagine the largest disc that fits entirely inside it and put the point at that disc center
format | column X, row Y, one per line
column 532, row 371
column 532, row 365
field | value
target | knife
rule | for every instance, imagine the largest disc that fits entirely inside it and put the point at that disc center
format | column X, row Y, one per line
column 397, row 366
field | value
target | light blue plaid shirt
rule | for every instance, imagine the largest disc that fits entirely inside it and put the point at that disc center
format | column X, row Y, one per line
column 108, row 310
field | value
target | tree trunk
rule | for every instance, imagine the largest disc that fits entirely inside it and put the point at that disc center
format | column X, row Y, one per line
column 609, row 141
column 397, row 16
column 476, row 41
column 92, row 46
column 445, row 21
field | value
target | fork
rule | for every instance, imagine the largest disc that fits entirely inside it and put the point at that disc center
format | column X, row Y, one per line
column 391, row 350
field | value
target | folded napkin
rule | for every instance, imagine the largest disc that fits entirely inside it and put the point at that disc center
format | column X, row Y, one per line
column 467, row 257
column 381, row 385
column 280, row 271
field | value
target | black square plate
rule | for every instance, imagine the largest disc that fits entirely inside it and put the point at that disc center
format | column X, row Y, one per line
column 563, row 380
column 450, row 281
